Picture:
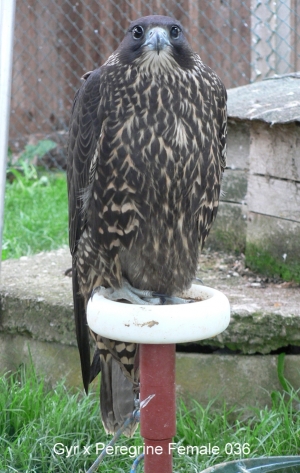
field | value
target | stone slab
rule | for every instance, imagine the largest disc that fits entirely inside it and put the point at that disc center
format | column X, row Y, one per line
column 36, row 301
column 264, row 316
column 274, row 150
column 274, row 197
column 53, row 361
column 36, row 297
column 275, row 100
column 240, row 381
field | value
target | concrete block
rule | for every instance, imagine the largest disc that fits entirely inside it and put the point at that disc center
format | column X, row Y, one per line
column 275, row 150
column 240, row 381
column 52, row 361
column 238, row 144
column 229, row 230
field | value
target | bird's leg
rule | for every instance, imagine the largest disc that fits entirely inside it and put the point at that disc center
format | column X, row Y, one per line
column 137, row 296
column 164, row 299
column 126, row 292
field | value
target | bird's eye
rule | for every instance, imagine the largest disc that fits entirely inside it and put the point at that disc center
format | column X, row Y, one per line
column 138, row 32
column 175, row 32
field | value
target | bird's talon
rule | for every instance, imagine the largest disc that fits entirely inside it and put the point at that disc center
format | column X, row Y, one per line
column 172, row 299
column 198, row 282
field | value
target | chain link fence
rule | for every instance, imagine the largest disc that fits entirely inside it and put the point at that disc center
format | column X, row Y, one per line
column 57, row 41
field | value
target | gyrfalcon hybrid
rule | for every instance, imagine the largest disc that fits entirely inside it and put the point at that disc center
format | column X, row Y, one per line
column 147, row 148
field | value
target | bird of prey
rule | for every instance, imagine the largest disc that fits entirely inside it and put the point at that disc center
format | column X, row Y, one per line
column 147, row 148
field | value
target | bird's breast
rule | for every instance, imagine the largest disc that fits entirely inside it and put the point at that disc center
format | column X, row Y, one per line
column 152, row 124
column 148, row 178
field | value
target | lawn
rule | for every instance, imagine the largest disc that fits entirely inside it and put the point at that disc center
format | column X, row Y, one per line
column 35, row 213
column 46, row 430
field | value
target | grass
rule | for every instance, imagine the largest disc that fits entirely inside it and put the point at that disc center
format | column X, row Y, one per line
column 263, row 262
column 35, row 213
column 39, row 425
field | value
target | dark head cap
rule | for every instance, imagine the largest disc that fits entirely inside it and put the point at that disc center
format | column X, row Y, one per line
column 156, row 40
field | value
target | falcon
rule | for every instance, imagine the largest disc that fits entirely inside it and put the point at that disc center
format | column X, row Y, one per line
column 146, row 152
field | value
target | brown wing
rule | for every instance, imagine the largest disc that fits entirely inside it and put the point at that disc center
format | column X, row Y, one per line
column 84, row 132
column 214, row 127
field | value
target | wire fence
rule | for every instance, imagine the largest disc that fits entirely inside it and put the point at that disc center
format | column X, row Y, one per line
column 56, row 41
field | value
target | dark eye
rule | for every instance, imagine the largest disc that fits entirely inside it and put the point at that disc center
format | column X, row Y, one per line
column 175, row 32
column 138, row 32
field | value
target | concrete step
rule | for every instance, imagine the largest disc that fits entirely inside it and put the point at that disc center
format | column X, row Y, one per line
column 37, row 317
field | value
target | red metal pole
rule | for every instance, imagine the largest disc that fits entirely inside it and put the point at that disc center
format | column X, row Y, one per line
column 158, row 417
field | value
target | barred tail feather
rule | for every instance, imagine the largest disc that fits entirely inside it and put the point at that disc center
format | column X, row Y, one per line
column 116, row 398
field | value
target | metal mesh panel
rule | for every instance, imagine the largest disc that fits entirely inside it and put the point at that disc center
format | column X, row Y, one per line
column 56, row 41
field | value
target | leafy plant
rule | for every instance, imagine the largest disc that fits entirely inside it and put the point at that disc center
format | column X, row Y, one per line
column 27, row 175
column 40, row 149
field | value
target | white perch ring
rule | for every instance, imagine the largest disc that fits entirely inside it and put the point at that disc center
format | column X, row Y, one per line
column 160, row 324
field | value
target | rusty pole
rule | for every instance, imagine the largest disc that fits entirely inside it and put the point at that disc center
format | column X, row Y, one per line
column 158, row 416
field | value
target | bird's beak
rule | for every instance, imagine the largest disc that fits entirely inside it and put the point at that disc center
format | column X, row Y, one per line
column 157, row 39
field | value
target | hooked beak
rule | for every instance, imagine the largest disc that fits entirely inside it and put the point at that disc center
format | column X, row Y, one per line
column 157, row 39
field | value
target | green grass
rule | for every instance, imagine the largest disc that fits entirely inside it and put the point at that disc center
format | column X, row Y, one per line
column 261, row 261
column 34, row 418
column 35, row 213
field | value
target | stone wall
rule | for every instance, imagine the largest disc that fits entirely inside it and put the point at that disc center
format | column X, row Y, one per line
column 259, row 212
column 230, row 227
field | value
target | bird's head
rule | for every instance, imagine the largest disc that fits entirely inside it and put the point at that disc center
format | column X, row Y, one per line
column 156, row 43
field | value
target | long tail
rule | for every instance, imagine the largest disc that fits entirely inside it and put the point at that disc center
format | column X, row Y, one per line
column 119, row 382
